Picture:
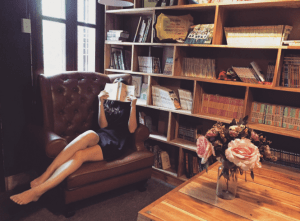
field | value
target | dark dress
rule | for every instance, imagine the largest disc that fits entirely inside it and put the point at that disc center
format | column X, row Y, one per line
column 116, row 136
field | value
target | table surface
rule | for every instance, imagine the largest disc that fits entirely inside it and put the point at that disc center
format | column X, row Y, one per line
column 274, row 194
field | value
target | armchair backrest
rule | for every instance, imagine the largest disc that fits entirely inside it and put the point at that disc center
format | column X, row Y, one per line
column 70, row 101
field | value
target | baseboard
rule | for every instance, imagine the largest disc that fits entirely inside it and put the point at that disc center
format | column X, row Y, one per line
column 14, row 181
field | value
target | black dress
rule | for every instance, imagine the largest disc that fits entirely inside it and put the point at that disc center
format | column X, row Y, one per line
column 116, row 136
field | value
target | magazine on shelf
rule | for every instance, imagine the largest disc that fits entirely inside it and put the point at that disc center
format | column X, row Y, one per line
column 119, row 91
column 200, row 34
column 168, row 66
column 165, row 97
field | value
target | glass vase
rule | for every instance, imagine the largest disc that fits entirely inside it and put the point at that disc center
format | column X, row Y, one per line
column 226, row 184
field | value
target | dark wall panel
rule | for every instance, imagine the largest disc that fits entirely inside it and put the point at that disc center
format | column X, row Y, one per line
column 15, row 87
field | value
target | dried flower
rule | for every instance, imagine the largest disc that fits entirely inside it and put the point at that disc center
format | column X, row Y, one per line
column 254, row 136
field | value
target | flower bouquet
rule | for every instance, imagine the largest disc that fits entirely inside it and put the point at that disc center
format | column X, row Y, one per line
column 238, row 148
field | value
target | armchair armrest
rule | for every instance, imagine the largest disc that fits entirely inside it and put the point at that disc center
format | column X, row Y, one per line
column 141, row 134
column 50, row 142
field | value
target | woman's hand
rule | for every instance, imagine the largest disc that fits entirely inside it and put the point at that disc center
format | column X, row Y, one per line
column 132, row 99
column 103, row 96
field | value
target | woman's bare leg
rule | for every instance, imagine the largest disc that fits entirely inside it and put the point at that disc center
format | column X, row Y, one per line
column 84, row 140
column 89, row 154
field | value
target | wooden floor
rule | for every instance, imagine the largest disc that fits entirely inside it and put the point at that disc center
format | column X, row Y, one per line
column 273, row 195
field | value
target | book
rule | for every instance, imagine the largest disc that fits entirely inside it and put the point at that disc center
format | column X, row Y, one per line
column 137, row 82
column 149, row 64
column 144, row 91
column 245, row 74
column 165, row 160
column 137, row 30
column 146, row 34
column 258, row 71
column 186, row 99
column 119, row 91
column 165, row 97
column 200, row 34
column 141, row 31
column 168, row 66
column 118, row 34
column 117, row 58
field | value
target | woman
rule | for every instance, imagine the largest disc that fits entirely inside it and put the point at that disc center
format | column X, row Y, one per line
column 116, row 120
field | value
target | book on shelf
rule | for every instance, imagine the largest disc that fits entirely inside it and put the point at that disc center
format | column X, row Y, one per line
column 165, row 160
column 149, row 3
column 168, row 66
column 146, row 36
column 117, row 35
column 258, row 71
column 291, row 42
column 290, row 76
column 120, row 58
column 119, row 91
column 275, row 115
column 186, row 99
column 189, row 132
column 144, row 91
column 192, row 164
column 270, row 72
column 222, row 106
column 200, row 34
column 246, row 74
column 199, row 67
column 165, row 97
column 143, row 30
column 149, row 64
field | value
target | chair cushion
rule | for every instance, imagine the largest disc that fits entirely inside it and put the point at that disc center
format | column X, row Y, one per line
column 92, row 172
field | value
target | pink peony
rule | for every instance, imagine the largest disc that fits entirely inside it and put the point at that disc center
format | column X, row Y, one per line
column 243, row 154
column 204, row 149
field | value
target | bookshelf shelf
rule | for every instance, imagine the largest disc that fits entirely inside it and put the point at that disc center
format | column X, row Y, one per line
column 185, row 144
column 235, row 14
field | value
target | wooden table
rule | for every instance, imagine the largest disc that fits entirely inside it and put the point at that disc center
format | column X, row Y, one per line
column 273, row 195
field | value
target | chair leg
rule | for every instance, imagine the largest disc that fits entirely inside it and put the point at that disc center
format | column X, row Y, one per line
column 142, row 185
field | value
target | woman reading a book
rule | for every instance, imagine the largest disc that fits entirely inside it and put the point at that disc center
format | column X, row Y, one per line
column 117, row 121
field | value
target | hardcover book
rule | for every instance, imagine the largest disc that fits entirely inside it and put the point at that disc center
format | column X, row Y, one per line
column 119, row 91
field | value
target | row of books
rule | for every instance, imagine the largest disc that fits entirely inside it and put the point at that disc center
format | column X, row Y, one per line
column 291, row 71
column 117, row 35
column 188, row 132
column 275, row 115
column 286, row 158
column 272, row 35
column 192, row 164
column 142, row 33
column 222, row 106
column 161, row 158
column 199, row 67
column 149, row 64
column 252, row 74
column 120, row 58
column 165, row 97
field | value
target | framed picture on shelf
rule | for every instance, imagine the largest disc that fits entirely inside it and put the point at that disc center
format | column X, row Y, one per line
column 137, row 82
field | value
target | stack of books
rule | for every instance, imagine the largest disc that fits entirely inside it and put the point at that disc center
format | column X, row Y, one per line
column 120, row 58
column 143, row 30
column 290, row 76
column 188, row 132
column 222, row 106
column 251, row 74
column 192, row 164
column 117, row 35
column 149, row 64
column 199, row 67
column 186, row 99
column 286, row 158
column 275, row 115
column 165, row 97
column 257, row 35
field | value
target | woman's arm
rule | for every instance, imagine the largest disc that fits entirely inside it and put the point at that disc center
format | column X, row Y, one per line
column 132, row 124
column 101, row 115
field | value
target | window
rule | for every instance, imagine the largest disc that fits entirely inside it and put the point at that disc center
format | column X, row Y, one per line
column 68, row 35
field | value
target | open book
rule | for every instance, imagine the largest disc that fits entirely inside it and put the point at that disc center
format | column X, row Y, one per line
column 119, row 91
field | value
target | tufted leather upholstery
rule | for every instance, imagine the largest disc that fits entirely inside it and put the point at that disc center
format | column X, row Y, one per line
column 70, row 107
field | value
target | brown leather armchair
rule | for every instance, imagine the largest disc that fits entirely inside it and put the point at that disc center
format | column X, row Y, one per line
column 70, row 107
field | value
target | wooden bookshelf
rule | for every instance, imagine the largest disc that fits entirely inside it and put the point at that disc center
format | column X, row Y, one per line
column 248, row 13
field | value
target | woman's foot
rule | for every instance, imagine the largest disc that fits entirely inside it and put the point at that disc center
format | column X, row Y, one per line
column 38, row 181
column 26, row 197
